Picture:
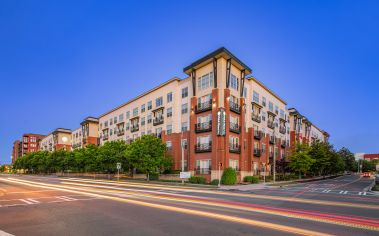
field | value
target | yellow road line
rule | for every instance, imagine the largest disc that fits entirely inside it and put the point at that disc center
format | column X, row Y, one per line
column 271, row 226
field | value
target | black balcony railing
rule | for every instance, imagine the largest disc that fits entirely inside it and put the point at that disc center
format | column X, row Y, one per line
column 235, row 128
column 235, row 148
column 272, row 140
column 158, row 120
column 205, row 106
column 203, row 171
column 282, row 129
column 257, row 152
column 235, row 107
column 270, row 124
column 134, row 128
column 283, row 143
column 203, row 147
column 258, row 134
column 203, row 127
column 256, row 118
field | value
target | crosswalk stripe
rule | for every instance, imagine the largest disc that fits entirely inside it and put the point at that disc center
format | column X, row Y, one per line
column 32, row 200
column 26, row 201
column 360, row 193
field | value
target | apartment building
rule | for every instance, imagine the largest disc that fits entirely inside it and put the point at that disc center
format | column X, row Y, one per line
column 268, row 127
column 86, row 134
column 59, row 139
column 30, row 143
column 16, row 150
column 214, row 113
column 303, row 130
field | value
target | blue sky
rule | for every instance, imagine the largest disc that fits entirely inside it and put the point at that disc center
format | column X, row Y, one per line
column 61, row 61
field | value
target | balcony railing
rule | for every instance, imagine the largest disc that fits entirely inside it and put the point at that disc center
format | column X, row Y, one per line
column 272, row 140
column 258, row 134
column 105, row 137
column 257, row 152
column 235, row 128
column 202, row 107
column 283, row 143
column 158, row 121
column 282, row 129
column 203, row 127
column 270, row 124
column 256, row 118
column 203, row 171
column 203, row 147
column 235, row 107
column 235, row 148
column 120, row 132
column 134, row 128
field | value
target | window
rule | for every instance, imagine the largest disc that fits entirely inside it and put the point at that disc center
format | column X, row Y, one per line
column 143, row 121
column 149, row 105
column 255, row 97
column 127, row 126
column 204, row 139
column 281, row 114
column 185, row 92
column 245, row 92
column 127, row 114
column 142, row 108
column 201, row 101
column 233, row 141
column 169, row 112
column 121, row 117
column 115, row 120
column 159, row 102
column 264, row 101
column 169, row 97
column 169, row 129
column 169, row 145
column 184, row 143
column 233, row 164
column 111, row 131
column 276, row 110
column 184, row 108
column 271, row 106
column 203, row 166
column 149, row 119
column 233, row 83
column 205, row 81
column 263, row 148
column 135, row 111
column 110, row 121
column 184, row 126
column 105, row 124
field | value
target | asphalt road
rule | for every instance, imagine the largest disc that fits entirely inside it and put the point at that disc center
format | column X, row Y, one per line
column 69, row 206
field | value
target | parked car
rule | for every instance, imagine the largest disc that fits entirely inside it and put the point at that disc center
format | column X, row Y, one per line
column 377, row 178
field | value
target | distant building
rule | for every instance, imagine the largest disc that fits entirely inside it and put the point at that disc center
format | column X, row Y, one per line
column 29, row 143
column 370, row 157
column 57, row 140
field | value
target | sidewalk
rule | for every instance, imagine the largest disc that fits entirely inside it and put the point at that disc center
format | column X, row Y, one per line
column 247, row 187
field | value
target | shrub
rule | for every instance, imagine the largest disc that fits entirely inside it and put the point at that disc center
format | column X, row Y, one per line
column 251, row 179
column 229, row 177
column 154, row 176
column 197, row 180
column 214, row 182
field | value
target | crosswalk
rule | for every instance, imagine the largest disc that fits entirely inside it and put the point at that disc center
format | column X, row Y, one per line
column 41, row 200
column 329, row 191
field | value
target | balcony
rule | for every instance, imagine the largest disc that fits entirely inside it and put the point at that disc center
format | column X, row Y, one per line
column 272, row 139
column 203, row 127
column 258, row 135
column 234, row 148
column 235, row 107
column 235, row 128
column 203, row 147
column 271, row 124
column 105, row 137
column 282, row 129
column 120, row 132
column 257, row 152
column 256, row 118
column 158, row 120
column 283, row 143
column 202, row 107
column 134, row 128
column 202, row 171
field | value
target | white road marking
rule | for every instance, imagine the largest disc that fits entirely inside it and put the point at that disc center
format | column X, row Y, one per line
column 364, row 193
column 341, row 191
column 32, row 200
column 360, row 193
column 2, row 233
column 345, row 192
column 68, row 199
column 26, row 201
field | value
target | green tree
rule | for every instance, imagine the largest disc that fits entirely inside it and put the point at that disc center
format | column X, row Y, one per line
column 300, row 160
column 111, row 153
column 147, row 154
column 319, row 151
column 348, row 158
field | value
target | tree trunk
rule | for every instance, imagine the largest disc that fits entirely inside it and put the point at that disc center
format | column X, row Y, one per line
column 148, row 177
